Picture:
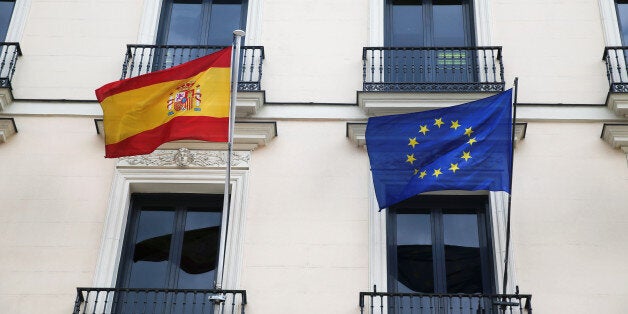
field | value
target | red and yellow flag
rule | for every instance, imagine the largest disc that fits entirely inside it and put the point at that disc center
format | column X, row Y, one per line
column 188, row 101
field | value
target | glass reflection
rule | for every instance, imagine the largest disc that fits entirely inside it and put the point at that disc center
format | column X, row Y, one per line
column 622, row 15
column 225, row 17
column 414, row 253
column 199, row 253
column 185, row 23
column 462, row 253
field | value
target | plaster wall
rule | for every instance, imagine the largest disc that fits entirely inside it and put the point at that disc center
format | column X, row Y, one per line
column 54, row 189
column 554, row 47
column 570, row 219
column 306, row 241
column 73, row 47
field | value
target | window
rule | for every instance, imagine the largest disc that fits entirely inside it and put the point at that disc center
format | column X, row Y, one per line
column 201, row 22
column 429, row 23
column 172, row 241
column 6, row 10
column 622, row 19
column 440, row 244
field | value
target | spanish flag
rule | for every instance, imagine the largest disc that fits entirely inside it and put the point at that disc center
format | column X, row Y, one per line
column 188, row 101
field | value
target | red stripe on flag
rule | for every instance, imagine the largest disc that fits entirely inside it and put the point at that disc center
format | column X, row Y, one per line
column 219, row 59
column 201, row 128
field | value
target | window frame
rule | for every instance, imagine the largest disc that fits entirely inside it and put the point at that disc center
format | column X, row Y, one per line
column 8, row 26
column 437, row 206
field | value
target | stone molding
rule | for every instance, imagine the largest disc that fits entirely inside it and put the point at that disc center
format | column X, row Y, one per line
column 7, row 129
column 185, row 158
column 616, row 135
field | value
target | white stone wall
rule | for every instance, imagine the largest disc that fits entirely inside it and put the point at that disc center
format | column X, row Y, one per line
column 54, row 190
column 570, row 219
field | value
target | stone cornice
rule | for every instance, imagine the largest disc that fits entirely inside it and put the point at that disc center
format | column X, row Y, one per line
column 7, row 129
column 616, row 135
column 356, row 132
column 247, row 136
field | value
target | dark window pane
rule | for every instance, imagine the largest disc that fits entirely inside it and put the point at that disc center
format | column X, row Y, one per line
column 224, row 19
column 152, row 249
column 185, row 23
column 622, row 16
column 199, row 253
column 6, row 9
column 414, row 253
column 407, row 23
column 462, row 253
column 448, row 23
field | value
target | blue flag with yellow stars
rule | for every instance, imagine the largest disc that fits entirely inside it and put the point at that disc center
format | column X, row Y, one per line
column 463, row 147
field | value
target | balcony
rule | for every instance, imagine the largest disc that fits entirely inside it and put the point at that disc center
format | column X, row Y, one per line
column 616, row 59
column 382, row 302
column 406, row 79
column 142, row 59
column 153, row 301
column 9, row 52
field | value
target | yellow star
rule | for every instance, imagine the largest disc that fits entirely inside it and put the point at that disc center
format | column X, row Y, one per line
column 454, row 125
column 468, row 131
column 437, row 172
column 412, row 142
column 410, row 159
column 423, row 174
column 471, row 141
column 454, row 167
column 424, row 129
column 466, row 155
column 416, row 171
column 438, row 122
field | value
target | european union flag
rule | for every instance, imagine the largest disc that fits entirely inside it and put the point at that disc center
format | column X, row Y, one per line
column 464, row 147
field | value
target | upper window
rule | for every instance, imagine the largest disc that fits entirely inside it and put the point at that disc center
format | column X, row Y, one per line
column 429, row 23
column 201, row 22
column 440, row 244
column 622, row 18
column 6, row 10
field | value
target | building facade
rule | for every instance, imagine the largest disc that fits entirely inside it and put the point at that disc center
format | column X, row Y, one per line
column 303, row 233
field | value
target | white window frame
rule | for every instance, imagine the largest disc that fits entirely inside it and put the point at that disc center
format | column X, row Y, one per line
column 18, row 20
column 160, row 178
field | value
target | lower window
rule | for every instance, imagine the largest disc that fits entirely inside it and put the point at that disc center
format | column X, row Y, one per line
column 440, row 244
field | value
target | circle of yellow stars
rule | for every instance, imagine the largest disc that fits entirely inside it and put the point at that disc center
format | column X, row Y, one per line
column 453, row 167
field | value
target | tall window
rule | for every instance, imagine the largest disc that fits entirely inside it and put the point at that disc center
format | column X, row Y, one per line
column 172, row 241
column 440, row 244
column 622, row 18
column 6, row 9
column 429, row 23
column 201, row 22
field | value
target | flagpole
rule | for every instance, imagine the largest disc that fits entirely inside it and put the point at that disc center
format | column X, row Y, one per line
column 235, row 64
column 512, row 157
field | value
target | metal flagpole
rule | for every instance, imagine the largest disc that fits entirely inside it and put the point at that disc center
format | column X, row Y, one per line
column 512, row 158
column 235, row 64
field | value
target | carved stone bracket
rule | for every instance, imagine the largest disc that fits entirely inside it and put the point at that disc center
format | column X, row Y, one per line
column 616, row 135
column 7, row 129
column 186, row 158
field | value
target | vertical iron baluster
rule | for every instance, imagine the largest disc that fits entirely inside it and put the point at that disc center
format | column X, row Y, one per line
column 421, row 66
column 4, row 52
column 618, row 65
column 243, row 69
column 149, row 62
column 86, row 301
column 608, row 65
column 381, row 304
column 381, row 65
column 139, row 65
column 486, row 74
column 194, row 295
column 413, row 65
column 460, row 303
column 261, row 61
column 183, row 302
column 428, row 65
column 125, row 64
column 493, row 62
column 475, row 71
column 233, row 299
column 364, row 57
column 132, row 62
column 95, row 302
column 501, row 64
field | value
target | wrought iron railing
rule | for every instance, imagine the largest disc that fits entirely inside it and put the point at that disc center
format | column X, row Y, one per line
column 433, row 69
column 616, row 59
column 142, row 59
column 8, row 58
column 401, row 303
column 153, row 301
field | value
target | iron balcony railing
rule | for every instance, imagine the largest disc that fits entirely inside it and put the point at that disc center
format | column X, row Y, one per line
column 616, row 59
column 402, row 303
column 433, row 69
column 142, row 59
column 154, row 301
column 8, row 58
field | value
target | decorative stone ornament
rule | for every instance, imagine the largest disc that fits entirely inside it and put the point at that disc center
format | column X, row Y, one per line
column 186, row 158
